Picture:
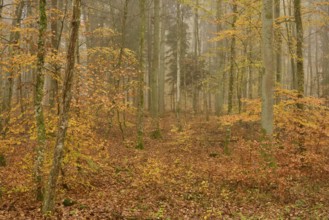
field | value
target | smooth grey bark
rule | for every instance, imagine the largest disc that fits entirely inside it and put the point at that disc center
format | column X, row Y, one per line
column 49, row 199
column 268, row 76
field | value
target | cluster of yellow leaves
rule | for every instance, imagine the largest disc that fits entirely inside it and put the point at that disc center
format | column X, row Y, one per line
column 251, row 114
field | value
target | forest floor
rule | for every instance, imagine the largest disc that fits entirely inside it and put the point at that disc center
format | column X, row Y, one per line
column 206, row 171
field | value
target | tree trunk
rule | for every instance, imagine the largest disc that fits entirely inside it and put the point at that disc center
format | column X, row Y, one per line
column 51, row 82
column 219, row 96
column 232, row 61
column 310, row 63
column 140, row 109
column 162, row 62
column 49, row 200
column 268, row 77
column 38, row 108
column 299, row 49
column 318, row 76
column 178, row 64
column 278, row 41
column 155, row 67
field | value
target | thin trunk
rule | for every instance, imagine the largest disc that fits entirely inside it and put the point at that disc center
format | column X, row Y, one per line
column 290, row 46
column 232, row 61
column 178, row 63
column 299, row 49
column 149, row 58
column 140, row 109
column 250, row 71
column 278, row 41
column 155, row 67
column 300, row 67
column 49, row 200
column 318, row 76
column 162, row 62
column 38, row 108
column 310, row 63
column 268, row 77
column 219, row 96
column 118, row 65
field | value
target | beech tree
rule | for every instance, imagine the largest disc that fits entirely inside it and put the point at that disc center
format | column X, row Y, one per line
column 232, row 59
column 299, row 48
column 155, row 69
column 140, row 114
column 49, row 199
column 39, row 116
column 268, row 76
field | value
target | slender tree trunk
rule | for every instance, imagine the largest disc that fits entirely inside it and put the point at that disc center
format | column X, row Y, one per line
column 250, row 70
column 299, row 49
column 310, row 62
column 140, row 109
column 51, row 82
column 268, row 77
column 278, row 41
column 155, row 68
column 196, row 56
column 123, row 45
column 232, row 61
column 38, row 108
column 149, row 58
column 162, row 61
column 300, row 66
column 178, row 64
column 318, row 76
column 324, row 36
column 290, row 46
column 49, row 200
column 219, row 96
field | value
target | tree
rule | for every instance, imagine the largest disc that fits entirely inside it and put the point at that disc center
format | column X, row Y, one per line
column 155, row 69
column 268, row 76
column 232, row 59
column 38, row 108
column 278, row 41
column 49, row 199
column 140, row 107
column 178, row 65
column 299, row 49
column 219, row 101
